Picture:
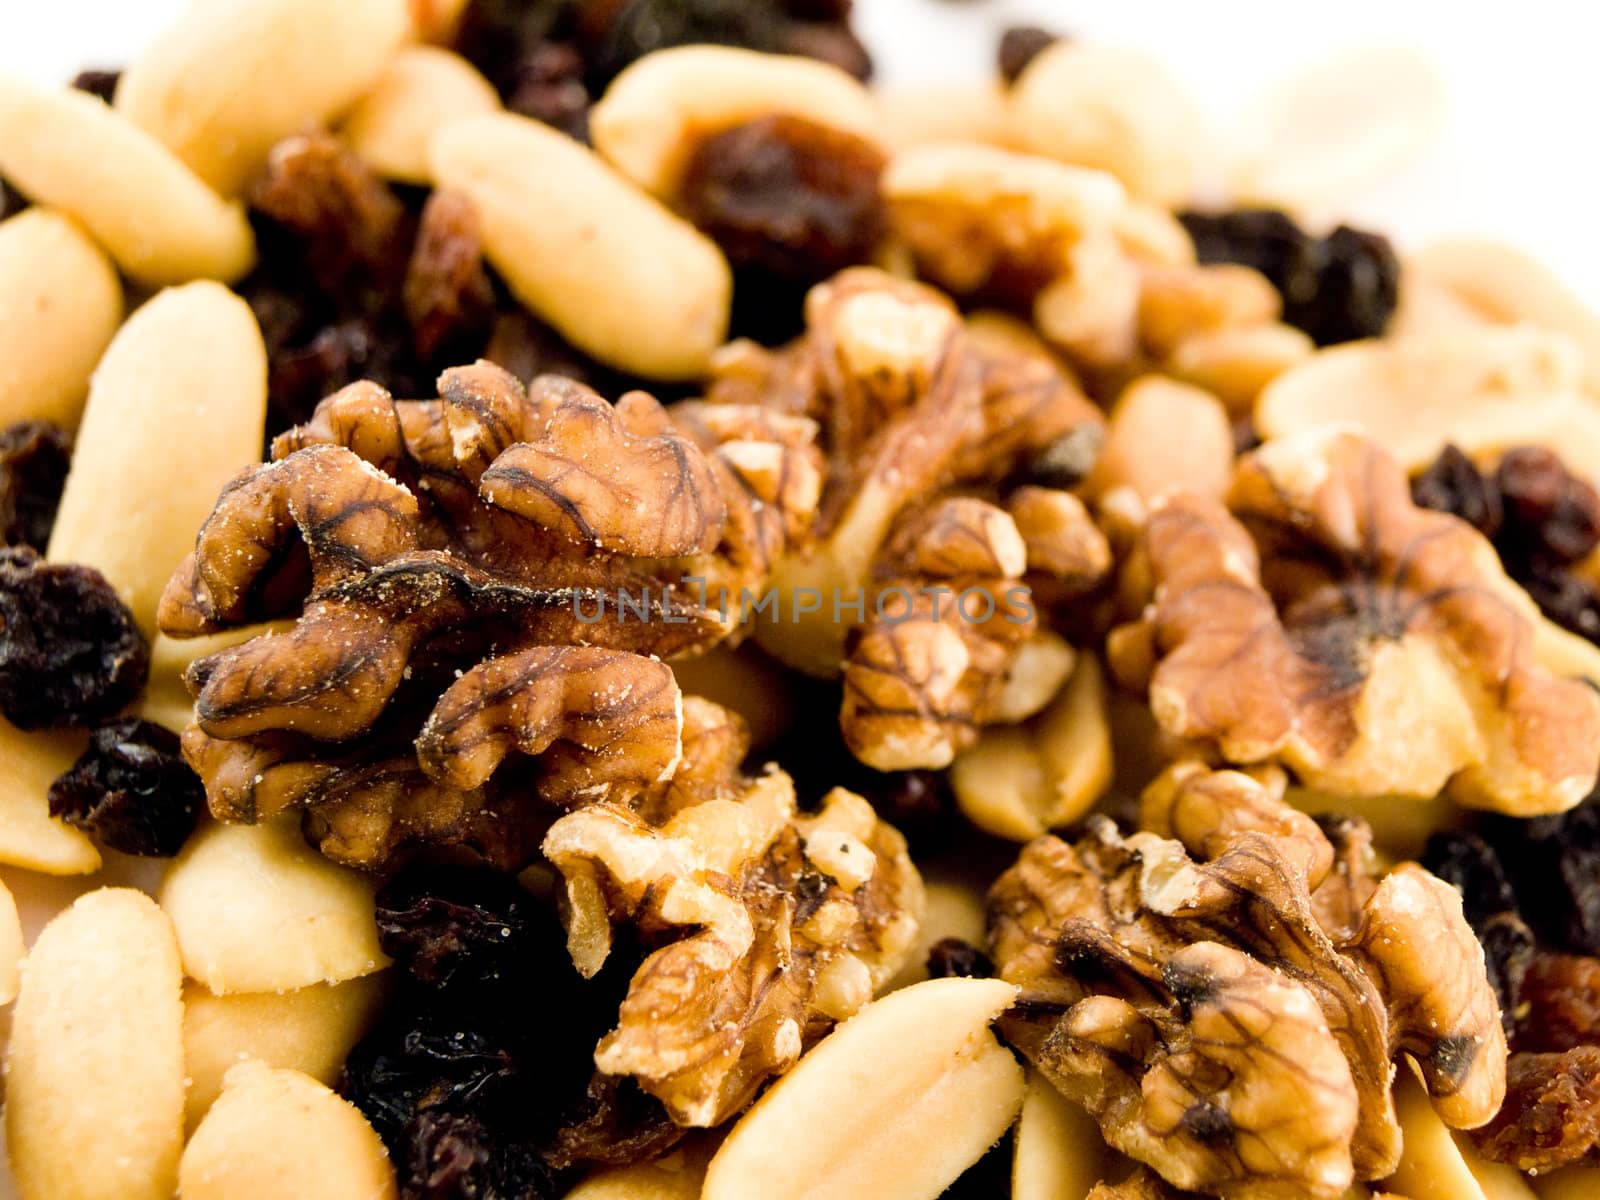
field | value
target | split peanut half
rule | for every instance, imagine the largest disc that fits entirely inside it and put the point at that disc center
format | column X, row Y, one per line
column 1060, row 1154
column 29, row 836
column 423, row 89
column 11, row 946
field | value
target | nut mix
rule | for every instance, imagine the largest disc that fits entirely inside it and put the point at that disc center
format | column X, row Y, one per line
column 873, row 619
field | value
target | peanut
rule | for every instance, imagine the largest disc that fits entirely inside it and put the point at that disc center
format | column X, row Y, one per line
column 1569, row 1183
column 154, row 216
column 231, row 78
column 1236, row 364
column 679, row 1176
column 927, row 1089
column 616, row 273
column 257, row 910
column 1059, row 1153
column 60, row 304
column 1165, row 436
column 94, row 1089
column 275, row 1134
column 922, row 116
column 29, row 836
column 11, row 946
column 310, row 1029
column 1438, row 1163
column 1115, row 109
column 653, row 113
column 421, row 91
column 1176, row 304
column 436, row 20
column 176, row 408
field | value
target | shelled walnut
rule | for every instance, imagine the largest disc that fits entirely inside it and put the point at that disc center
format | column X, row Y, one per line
column 1227, row 990
column 487, row 573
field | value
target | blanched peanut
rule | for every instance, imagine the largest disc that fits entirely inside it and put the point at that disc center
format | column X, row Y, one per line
column 927, row 1087
column 94, row 1074
column 1165, row 436
column 29, row 836
column 922, row 116
column 616, row 273
column 310, row 1029
column 231, row 78
column 11, row 946
column 1569, row 1183
column 1021, row 781
column 653, row 114
column 1236, row 364
column 1438, row 1163
column 276, row 1134
column 1119, row 110
column 1059, row 1153
column 176, row 408
column 679, row 1176
column 60, row 303
column 952, row 908
column 1400, row 825
column 257, row 910
column 154, row 216
column 422, row 90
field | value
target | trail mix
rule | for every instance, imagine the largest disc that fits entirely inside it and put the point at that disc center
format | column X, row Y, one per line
column 606, row 608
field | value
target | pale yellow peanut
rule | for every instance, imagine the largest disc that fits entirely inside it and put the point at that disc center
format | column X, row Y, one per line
column 11, row 945
column 258, row 910
column 60, row 303
column 231, row 78
column 926, row 1087
column 1021, row 781
column 655, row 112
column 1236, row 364
column 1033, row 677
column 616, row 273
column 29, row 836
column 1176, row 303
column 952, row 908
column 166, row 699
column 1427, row 308
column 94, row 1073
column 1152, row 236
column 921, row 116
column 1508, row 286
column 176, row 409
column 1569, row 1183
column 1112, row 108
column 1400, row 824
column 423, row 89
column 1165, row 436
column 1438, row 1164
column 153, row 215
column 276, row 1134
column 310, row 1029
column 1059, row 1154
column 436, row 20
column 679, row 1176
column 1564, row 653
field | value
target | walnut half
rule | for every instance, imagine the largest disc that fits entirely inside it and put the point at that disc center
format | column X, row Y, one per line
column 1227, row 990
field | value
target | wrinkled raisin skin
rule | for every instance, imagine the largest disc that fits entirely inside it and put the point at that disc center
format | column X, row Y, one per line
column 1562, row 993
column 952, row 958
column 1019, row 46
column 447, row 924
column 34, row 457
column 1551, row 1117
column 1554, row 864
column 1453, row 484
column 1549, row 512
column 71, row 655
column 455, row 1156
column 131, row 790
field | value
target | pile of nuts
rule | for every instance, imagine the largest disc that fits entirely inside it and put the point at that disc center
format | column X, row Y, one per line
column 585, row 593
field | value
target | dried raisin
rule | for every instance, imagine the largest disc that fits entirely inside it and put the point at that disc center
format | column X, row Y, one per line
column 98, row 83
column 1562, row 994
column 71, row 655
column 1551, row 1117
column 1549, row 512
column 455, row 1156
column 1452, row 483
column 1019, row 46
column 954, row 958
column 34, row 457
column 448, row 298
column 131, row 790
column 11, row 200
column 1554, row 863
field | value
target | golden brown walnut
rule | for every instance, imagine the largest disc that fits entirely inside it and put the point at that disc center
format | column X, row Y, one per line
column 481, row 582
column 1320, row 619
column 1179, row 983
column 924, row 417
column 776, row 925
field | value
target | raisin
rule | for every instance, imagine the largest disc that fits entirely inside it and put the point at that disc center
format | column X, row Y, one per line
column 826, row 11
column 639, row 27
column 1551, row 1116
column 614, row 1123
column 1453, row 484
column 786, row 196
column 97, row 83
column 833, row 44
column 456, row 1156
column 1509, row 951
column 1550, row 513
column 448, row 298
column 34, row 457
column 549, row 87
column 71, row 654
column 1338, row 288
column 1570, row 601
column 497, row 35
column 131, row 790
column 11, row 201
column 1019, row 46
column 1562, row 994
column 1470, row 865
column 953, row 958
column 1554, row 863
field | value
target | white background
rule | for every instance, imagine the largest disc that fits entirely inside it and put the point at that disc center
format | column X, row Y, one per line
column 1515, row 160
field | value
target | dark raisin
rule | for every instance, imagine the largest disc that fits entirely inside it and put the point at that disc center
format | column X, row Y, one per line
column 97, row 83
column 449, row 301
column 614, row 1123
column 1019, row 46
column 1554, row 863
column 786, row 196
column 456, row 1156
column 953, row 958
column 639, row 27
column 920, row 804
column 34, row 456
column 549, row 87
column 11, row 201
column 1453, row 484
column 131, row 790
column 1562, row 994
column 1470, row 865
column 1262, row 238
column 1567, row 599
column 833, row 44
column 1551, row 1116
column 1509, row 949
column 1358, row 288
column 1549, row 512
column 71, row 654
column 497, row 35
column 827, row 11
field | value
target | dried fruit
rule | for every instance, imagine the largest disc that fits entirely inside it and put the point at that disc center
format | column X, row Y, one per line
column 1471, row 866
column 1338, row 288
column 1019, row 46
column 1562, row 992
column 1549, row 512
column 34, row 456
column 11, row 200
column 448, row 926
column 97, row 83
column 954, row 957
column 1452, row 483
column 131, row 790
column 1553, row 863
column 70, row 652
column 1552, row 1111
column 452, row 1154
